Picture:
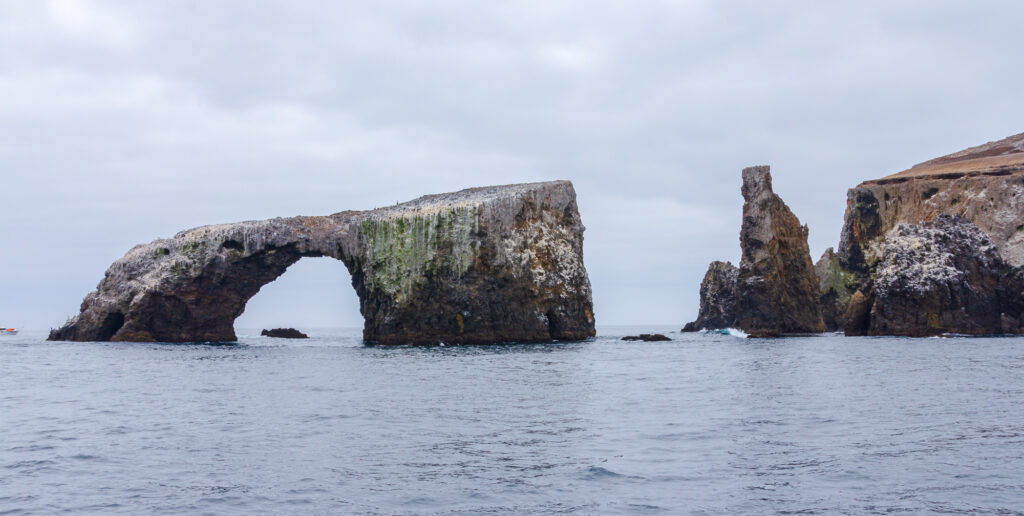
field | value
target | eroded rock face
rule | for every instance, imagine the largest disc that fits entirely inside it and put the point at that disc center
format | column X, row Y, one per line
column 943, row 276
column 983, row 185
column 857, row 317
column 483, row 265
column 717, row 298
column 837, row 287
column 776, row 289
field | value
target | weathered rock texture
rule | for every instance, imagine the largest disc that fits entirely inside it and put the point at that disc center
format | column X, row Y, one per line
column 983, row 185
column 943, row 276
column 717, row 298
column 776, row 289
column 836, row 285
column 483, row 265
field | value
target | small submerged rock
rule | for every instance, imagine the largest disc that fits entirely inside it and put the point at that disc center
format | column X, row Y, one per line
column 647, row 337
column 284, row 333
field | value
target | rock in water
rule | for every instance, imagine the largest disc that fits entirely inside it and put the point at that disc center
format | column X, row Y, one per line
column 284, row 333
column 944, row 276
column 647, row 337
column 717, row 298
column 983, row 184
column 777, row 289
column 493, row 264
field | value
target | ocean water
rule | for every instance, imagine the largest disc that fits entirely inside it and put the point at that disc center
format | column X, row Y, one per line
column 705, row 424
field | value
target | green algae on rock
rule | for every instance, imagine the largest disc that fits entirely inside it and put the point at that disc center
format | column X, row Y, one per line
column 837, row 288
column 401, row 250
column 492, row 264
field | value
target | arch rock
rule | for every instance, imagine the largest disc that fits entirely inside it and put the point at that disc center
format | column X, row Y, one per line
column 483, row 265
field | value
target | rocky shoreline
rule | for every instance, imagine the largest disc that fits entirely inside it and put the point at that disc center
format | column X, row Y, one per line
column 936, row 249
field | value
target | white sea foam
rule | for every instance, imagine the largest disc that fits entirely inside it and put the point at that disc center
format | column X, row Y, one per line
column 733, row 332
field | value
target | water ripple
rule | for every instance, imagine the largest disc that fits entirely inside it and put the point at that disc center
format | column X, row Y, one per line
column 701, row 425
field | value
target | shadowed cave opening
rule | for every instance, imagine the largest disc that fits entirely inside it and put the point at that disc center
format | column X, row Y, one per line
column 111, row 324
column 313, row 293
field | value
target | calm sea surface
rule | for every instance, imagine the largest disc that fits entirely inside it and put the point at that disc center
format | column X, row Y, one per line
column 706, row 424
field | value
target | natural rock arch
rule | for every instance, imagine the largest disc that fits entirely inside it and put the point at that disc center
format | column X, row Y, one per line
column 315, row 292
column 482, row 265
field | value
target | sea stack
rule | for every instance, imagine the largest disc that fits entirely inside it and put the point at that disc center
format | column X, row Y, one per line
column 483, row 265
column 897, row 252
column 717, row 298
column 776, row 289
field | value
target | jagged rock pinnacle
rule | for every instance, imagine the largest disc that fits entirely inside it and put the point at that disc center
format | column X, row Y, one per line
column 775, row 291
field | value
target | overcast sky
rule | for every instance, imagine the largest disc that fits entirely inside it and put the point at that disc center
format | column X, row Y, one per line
column 122, row 122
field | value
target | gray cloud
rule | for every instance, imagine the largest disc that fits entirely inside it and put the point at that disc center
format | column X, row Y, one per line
column 121, row 122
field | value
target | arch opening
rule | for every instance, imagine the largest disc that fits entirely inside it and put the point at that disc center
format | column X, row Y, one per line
column 313, row 293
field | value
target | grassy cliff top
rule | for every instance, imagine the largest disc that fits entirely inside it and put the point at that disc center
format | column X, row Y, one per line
column 1000, row 157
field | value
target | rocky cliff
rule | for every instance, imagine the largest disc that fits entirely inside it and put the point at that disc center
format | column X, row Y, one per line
column 942, row 276
column 776, row 289
column 502, row 263
column 982, row 185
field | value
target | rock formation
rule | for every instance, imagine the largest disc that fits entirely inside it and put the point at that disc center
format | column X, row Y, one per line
column 483, row 265
column 835, row 284
column 284, row 333
column 647, row 337
column 983, row 185
column 943, row 276
column 717, row 298
column 776, row 289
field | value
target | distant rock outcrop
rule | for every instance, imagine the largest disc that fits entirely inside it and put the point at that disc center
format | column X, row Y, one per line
column 501, row 263
column 717, row 298
column 284, row 333
column 983, row 185
column 776, row 289
column 647, row 337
